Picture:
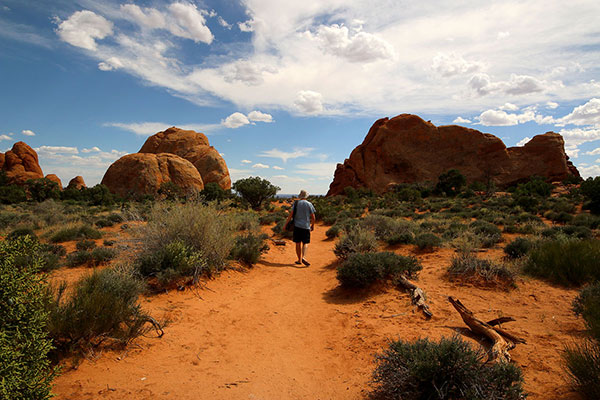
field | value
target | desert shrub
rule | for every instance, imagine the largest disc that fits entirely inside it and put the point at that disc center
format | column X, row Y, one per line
column 95, row 257
column 490, row 234
column 57, row 249
column 587, row 220
column 450, row 182
column 566, row 262
column 590, row 188
column 571, row 231
column 246, row 221
column 201, row 228
column 249, row 247
column 85, row 244
column 98, row 195
column 268, row 219
column 104, row 305
column 390, row 230
column 467, row 266
column 42, row 189
column 171, row 262
column 587, row 304
column 427, row 241
column 74, row 233
column 102, row 255
column 449, row 369
column 103, row 223
column 108, row 242
column 12, row 194
column 171, row 191
column 364, row 269
column 255, row 190
column 537, row 186
column 517, row 248
column 16, row 233
column 355, row 240
column 25, row 370
column 213, row 192
column 583, row 366
column 279, row 229
column 333, row 231
column 560, row 217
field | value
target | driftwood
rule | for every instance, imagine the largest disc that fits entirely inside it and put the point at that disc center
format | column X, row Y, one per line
column 417, row 295
column 502, row 340
column 278, row 242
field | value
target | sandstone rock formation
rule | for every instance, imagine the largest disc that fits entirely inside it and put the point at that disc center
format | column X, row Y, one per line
column 195, row 148
column 76, row 183
column 21, row 164
column 406, row 149
column 144, row 173
column 56, row 179
column 1, row 161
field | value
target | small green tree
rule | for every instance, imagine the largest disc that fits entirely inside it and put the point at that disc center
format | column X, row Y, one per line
column 42, row 189
column 213, row 192
column 451, row 182
column 590, row 188
column 98, row 195
column 255, row 190
column 25, row 371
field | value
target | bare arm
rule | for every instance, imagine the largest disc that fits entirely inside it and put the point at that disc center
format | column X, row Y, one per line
column 312, row 221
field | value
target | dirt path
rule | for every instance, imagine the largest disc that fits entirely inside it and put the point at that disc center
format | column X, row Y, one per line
column 282, row 332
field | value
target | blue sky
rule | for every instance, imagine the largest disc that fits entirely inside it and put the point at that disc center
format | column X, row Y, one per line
column 284, row 89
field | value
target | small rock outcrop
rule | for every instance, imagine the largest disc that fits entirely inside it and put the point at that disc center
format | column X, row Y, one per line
column 56, row 179
column 21, row 164
column 76, row 183
column 194, row 147
column 407, row 149
column 144, row 173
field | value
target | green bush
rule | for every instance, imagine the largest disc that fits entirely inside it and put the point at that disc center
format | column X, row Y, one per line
column 450, row 182
column 590, row 188
column 171, row 262
column 467, row 266
column 355, row 240
column 489, row 233
column 255, row 190
column 517, row 248
column 566, row 262
column 390, row 230
column 364, row 269
column 213, row 192
column 249, row 247
column 95, row 257
column 80, row 232
column 246, row 221
column 25, row 370
column 450, row 369
column 427, row 241
column 587, row 220
column 21, row 232
column 85, row 244
column 42, row 189
column 274, row 217
column 12, row 194
column 583, row 365
column 333, row 232
column 587, row 304
column 104, row 305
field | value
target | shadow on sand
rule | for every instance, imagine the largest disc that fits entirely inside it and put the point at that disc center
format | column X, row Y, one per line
column 280, row 265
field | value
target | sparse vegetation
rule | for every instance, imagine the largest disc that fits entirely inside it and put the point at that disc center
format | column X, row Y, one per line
column 468, row 267
column 364, row 269
column 74, row 233
column 249, row 247
column 355, row 240
column 518, row 248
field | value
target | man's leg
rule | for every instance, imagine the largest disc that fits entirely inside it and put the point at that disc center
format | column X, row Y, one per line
column 304, row 249
column 299, row 251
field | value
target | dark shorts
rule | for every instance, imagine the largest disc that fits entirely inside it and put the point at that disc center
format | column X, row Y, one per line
column 301, row 235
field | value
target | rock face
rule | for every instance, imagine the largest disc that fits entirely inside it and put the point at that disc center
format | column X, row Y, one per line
column 406, row 149
column 21, row 164
column 143, row 173
column 76, row 183
column 56, row 179
column 195, row 148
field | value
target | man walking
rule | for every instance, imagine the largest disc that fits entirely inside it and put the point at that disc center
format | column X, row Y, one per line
column 304, row 222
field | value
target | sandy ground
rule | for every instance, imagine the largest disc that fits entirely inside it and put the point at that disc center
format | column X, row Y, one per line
column 279, row 331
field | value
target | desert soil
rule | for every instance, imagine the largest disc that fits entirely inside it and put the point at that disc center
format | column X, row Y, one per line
column 280, row 331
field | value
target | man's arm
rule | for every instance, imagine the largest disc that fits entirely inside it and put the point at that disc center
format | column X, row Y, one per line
column 312, row 221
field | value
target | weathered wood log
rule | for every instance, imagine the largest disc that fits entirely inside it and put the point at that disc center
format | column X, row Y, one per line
column 416, row 293
column 502, row 340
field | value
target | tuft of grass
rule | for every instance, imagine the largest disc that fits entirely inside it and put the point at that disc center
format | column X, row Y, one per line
column 448, row 369
column 583, row 366
column 364, row 269
column 171, row 262
column 355, row 240
column 427, row 241
column 249, row 247
column 74, row 233
column 468, row 267
column 518, row 248
column 566, row 262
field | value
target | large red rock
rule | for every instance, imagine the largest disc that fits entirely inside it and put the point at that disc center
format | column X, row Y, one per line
column 21, row 164
column 56, row 179
column 194, row 147
column 1, row 160
column 76, row 183
column 144, row 173
column 407, row 149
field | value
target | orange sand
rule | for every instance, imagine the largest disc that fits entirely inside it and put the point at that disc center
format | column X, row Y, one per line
column 279, row 331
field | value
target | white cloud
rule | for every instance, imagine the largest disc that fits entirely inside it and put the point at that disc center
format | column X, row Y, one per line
column 190, row 23
column 448, row 65
column 461, row 120
column 56, row 150
column 260, row 117
column 586, row 114
column 509, row 107
column 594, row 152
column 235, row 120
column 551, row 105
column 141, row 128
column 579, row 136
column 502, row 118
column 5, row 137
column 91, row 150
column 111, row 64
column 261, row 166
column 28, row 132
column 83, row 28
column 284, row 155
column 502, row 35
column 246, row 26
column 278, row 168
column 523, row 141
column 591, row 171
column 224, row 23
column 361, row 47
column 147, row 17
column 309, row 102
column 318, row 169
column 483, row 85
column 246, row 162
column 247, row 72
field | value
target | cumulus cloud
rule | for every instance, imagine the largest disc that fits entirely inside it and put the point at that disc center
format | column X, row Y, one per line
column 500, row 117
column 260, row 166
column 285, row 155
column 28, row 132
column 586, row 114
column 94, row 149
column 258, row 116
column 579, row 136
column 246, row 26
column 591, row 171
column 594, row 152
column 448, row 65
column 461, row 120
column 483, row 85
column 83, row 28
column 248, row 72
column 111, row 64
column 235, row 120
column 190, row 23
column 144, row 17
column 223, row 23
column 246, row 162
column 502, row 35
column 309, row 102
column 509, row 107
column 42, row 150
column 277, row 167
column 361, row 47
column 551, row 105
column 5, row 137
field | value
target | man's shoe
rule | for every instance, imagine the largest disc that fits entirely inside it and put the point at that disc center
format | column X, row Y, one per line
column 305, row 262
